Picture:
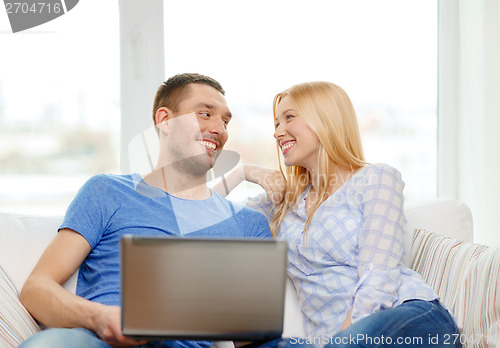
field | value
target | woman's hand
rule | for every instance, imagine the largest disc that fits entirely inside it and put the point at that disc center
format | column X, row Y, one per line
column 347, row 321
column 272, row 181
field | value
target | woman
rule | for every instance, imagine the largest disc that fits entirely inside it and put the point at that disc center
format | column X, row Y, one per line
column 343, row 219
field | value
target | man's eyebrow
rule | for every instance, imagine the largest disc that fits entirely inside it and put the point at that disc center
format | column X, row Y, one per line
column 212, row 107
column 205, row 105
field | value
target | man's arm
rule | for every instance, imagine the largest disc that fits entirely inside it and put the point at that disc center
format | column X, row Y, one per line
column 272, row 181
column 43, row 294
column 230, row 180
column 54, row 306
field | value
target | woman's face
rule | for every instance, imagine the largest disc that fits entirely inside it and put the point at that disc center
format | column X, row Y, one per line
column 297, row 141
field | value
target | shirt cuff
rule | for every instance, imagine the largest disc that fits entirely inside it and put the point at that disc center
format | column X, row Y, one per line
column 376, row 290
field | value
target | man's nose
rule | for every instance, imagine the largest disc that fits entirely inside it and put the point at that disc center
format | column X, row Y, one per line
column 217, row 125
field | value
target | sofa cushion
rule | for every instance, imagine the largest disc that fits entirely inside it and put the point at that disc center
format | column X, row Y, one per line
column 446, row 216
column 467, row 278
column 23, row 238
column 16, row 324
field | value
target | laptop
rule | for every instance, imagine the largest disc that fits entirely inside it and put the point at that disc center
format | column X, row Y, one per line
column 202, row 289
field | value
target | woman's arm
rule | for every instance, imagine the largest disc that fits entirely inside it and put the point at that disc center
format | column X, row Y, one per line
column 380, row 242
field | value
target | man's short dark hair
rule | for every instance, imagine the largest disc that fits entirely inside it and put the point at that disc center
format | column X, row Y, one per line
column 176, row 89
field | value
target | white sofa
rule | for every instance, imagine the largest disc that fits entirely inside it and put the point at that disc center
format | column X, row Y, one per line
column 23, row 238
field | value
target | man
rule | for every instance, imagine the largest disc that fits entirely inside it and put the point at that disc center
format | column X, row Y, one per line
column 192, row 115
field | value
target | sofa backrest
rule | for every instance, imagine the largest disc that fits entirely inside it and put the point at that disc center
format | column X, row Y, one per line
column 23, row 238
column 445, row 216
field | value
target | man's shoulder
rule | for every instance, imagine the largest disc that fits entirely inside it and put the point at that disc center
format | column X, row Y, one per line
column 240, row 208
column 110, row 179
column 106, row 184
column 249, row 222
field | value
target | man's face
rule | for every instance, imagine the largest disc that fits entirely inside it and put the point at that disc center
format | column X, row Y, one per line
column 198, row 130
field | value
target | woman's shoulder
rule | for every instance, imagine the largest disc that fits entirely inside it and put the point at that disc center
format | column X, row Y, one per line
column 379, row 168
column 377, row 174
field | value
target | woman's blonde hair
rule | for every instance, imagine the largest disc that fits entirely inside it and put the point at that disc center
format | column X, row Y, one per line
column 327, row 110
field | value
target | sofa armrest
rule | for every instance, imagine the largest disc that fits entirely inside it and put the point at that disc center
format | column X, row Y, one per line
column 293, row 324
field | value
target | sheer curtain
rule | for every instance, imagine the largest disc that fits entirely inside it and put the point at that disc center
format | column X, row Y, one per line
column 469, row 110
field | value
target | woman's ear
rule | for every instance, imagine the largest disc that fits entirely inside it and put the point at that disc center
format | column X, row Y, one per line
column 162, row 116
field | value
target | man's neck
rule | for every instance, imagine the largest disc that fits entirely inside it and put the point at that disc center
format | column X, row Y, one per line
column 179, row 184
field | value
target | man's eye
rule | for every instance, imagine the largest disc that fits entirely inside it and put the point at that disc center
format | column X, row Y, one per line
column 206, row 114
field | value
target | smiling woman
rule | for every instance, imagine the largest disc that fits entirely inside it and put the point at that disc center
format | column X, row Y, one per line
column 293, row 135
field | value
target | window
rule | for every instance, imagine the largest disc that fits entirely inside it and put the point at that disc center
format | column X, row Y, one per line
column 59, row 107
column 59, row 85
column 383, row 53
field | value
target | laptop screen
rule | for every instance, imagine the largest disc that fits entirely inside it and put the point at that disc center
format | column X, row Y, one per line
column 202, row 289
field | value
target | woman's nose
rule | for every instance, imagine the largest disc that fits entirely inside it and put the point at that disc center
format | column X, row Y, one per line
column 279, row 131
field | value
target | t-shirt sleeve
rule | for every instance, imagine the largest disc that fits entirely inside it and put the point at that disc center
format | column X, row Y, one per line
column 255, row 224
column 263, row 230
column 89, row 212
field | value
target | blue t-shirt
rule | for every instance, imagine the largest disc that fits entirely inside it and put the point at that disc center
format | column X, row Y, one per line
column 110, row 206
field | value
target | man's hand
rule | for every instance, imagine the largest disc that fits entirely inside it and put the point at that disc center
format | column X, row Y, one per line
column 107, row 325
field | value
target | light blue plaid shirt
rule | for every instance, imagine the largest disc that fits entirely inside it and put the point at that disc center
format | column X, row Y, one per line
column 349, row 257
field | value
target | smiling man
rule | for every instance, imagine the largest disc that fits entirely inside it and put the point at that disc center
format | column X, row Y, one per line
column 192, row 115
column 193, row 130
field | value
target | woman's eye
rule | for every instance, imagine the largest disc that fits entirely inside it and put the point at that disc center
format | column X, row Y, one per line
column 276, row 125
column 288, row 117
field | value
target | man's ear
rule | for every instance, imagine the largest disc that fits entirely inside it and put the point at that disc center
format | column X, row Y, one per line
column 162, row 116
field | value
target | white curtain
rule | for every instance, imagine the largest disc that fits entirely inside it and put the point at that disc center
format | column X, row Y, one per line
column 469, row 110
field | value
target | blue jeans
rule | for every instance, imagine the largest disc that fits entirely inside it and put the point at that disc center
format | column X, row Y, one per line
column 414, row 323
column 83, row 338
column 79, row 338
